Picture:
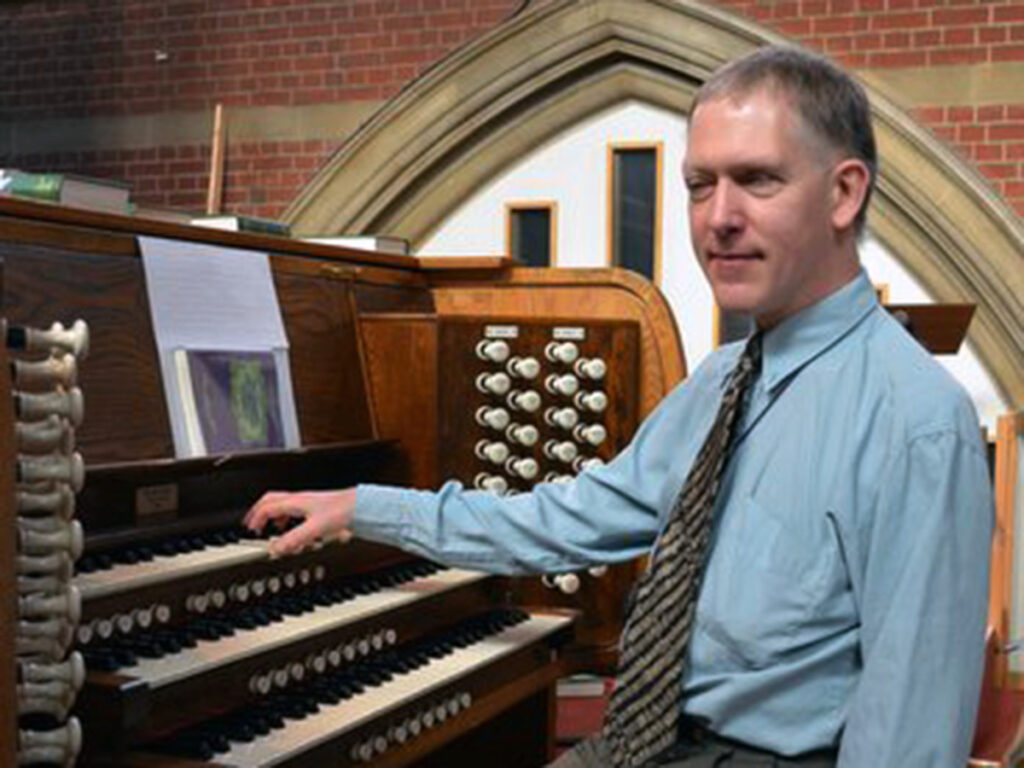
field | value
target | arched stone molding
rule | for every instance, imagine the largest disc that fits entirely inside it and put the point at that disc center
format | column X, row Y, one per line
column 485, row 106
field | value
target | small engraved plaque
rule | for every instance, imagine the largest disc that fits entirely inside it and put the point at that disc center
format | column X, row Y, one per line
column 156, row 499
column 567, row 333
column 501, row 332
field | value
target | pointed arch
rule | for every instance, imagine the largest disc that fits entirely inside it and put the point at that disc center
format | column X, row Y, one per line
column 491, row 102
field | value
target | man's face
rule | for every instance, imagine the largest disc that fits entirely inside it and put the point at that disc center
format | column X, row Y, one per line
column 760, row 205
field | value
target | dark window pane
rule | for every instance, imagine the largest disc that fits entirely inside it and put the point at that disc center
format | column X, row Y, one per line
column 531, row 236
column 634, row 207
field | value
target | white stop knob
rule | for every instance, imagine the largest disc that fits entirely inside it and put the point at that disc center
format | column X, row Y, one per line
column 524, row 400
column 594, row 434
column 495, row 350
column 563, row 451
column 566, row 418
column 524, row 367
column 496, row 453
column 495, row 418
column 594, row 402
column 492, row 483
column 524, row 434
column 591, row 368
column 562, row 352
column 525, row 468
column 494, row 383
column 566, row 384
column 583, row 463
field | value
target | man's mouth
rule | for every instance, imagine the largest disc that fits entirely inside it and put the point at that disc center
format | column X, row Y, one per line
column 733, row 256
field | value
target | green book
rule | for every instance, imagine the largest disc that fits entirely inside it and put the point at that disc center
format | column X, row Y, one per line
column 68, row 189
column 40, row 186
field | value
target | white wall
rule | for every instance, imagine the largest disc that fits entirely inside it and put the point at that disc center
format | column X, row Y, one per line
column 571, row 170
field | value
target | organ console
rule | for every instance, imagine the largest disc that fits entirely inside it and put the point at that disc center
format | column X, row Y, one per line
column 140, row 626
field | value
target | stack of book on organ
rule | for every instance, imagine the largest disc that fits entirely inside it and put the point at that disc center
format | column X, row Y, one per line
column 68, row 189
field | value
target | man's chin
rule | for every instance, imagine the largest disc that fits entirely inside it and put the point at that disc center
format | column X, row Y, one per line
column 736, row 303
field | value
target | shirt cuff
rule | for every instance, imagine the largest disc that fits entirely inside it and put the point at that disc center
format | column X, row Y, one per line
column 382, row 513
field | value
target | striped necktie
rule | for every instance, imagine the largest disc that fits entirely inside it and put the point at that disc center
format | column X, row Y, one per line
column 643, row 712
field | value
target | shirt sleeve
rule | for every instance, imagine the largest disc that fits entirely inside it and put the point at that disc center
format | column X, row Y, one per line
column 607, row 514
column 921, row 578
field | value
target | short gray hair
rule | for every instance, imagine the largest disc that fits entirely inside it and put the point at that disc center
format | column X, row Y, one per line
column 831, row 103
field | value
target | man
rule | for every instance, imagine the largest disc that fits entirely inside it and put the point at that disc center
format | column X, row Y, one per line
column 841, row 604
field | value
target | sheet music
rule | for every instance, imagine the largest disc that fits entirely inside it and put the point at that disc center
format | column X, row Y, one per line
column 213, row 299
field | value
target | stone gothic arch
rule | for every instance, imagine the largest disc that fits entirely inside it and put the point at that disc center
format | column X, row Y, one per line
column 487, row 104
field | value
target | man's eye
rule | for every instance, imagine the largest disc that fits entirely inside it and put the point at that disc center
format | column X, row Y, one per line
column 760, row 183
column 699, row 189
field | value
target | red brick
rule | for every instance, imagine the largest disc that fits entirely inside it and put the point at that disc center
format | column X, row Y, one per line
column 926, row 38
column 1015, row 151
column 866, row 42
column 1015, row 189
column 1018, row 206
column 988, row 152
column 1006, row 132
column 906, row 20
column 1015, row 112
column 958, row 56
column 958, row 36
column 1008, row 53
column 896, row 40
column 960, row 16
column 992, row 34
column 959, row 114
column 838, row 44
column 991, row 112
column 967, row 133
column 998, row 170
column 1006, row 13
column 946, row 132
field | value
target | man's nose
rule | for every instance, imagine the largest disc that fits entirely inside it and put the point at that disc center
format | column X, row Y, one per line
column 725, row 215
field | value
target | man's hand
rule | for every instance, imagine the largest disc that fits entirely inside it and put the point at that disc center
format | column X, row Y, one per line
column 327, row 515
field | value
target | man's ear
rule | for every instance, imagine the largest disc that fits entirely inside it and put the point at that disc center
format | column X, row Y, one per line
column 850, row 180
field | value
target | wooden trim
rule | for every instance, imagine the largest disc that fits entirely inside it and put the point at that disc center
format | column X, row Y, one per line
column 441, row 263
column 30, row 210
column 551, row 206
column 1000, row 611
column 882, row 291
column 659, row 159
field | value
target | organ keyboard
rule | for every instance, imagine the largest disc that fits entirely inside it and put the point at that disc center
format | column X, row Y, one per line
column 199, row 648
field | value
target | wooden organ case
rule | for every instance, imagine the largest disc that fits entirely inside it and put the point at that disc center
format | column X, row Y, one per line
column 203, row 651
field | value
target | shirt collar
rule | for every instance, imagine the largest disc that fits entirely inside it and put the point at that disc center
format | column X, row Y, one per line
column 800, row 338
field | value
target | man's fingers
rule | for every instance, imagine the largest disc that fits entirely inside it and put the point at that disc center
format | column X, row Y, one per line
column 293, row 542
column 270, row 507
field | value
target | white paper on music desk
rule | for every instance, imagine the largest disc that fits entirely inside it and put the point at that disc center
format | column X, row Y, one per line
column 205, row 297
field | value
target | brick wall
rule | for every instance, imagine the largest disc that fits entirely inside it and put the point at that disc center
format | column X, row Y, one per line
column 79, row 58
column 75, row 59
column 260, row 177
column 991, row 136
column 881, row 34
column 897, row 33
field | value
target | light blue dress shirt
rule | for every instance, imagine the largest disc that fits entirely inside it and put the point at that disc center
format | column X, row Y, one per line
column 845, row 595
